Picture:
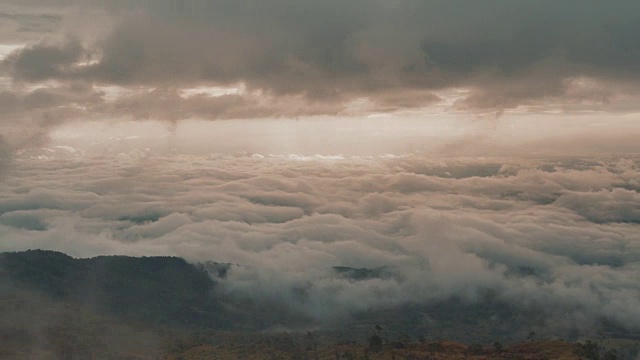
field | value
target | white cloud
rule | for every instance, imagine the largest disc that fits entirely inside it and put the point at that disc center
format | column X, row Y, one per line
column 538, row 232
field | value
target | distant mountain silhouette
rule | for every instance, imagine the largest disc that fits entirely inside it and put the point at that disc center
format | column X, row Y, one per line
column 169, row 292
column 162, row 290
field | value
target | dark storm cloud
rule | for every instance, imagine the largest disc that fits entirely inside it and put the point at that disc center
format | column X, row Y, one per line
column 48, row 98
column 34, row 23
column 19, row 23
column 509, row 53
column 44, row 61
column 168, row 104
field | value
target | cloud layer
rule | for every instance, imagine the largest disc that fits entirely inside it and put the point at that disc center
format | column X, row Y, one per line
column 223, row 59
column 558, row 236
column 508, row 53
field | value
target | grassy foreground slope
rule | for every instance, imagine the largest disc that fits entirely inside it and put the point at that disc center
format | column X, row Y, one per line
column 443, row 350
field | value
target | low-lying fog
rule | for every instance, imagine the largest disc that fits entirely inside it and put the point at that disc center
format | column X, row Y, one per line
column 546, row 231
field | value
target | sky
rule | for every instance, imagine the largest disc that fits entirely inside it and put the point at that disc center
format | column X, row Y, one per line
column 171, row 60
column 460, row 145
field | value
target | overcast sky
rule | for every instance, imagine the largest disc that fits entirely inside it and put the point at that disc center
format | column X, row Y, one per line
column 173, row 60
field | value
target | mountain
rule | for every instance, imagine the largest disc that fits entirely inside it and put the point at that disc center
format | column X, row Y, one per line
column 53, row 306
column 162, row 290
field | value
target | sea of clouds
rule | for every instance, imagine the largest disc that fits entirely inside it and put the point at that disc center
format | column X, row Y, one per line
column 551, row 234
column 554, row 234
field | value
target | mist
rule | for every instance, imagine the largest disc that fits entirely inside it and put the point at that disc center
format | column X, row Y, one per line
column 552, row 233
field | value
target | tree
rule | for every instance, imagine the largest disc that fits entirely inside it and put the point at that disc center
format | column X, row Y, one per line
column 375, row 343
column 475, row 349
column 531, row 336
column 590, row 350
column 610, row 355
